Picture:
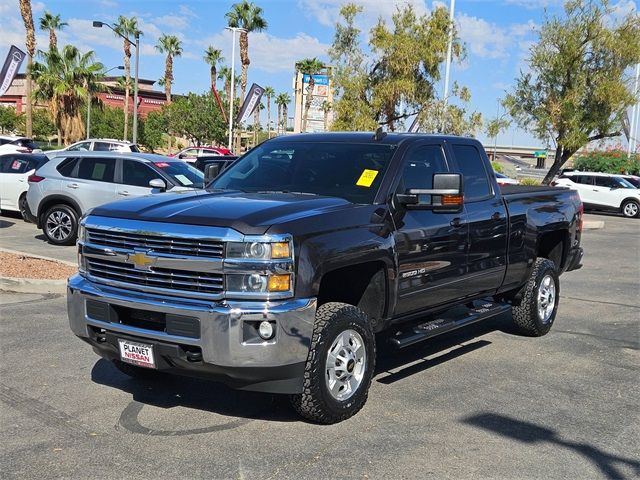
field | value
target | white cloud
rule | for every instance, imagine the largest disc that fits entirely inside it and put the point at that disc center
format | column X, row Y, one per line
column 186, row 11
column 489, row 40
column 173, row 21
column 327, row 12
column 534, row 4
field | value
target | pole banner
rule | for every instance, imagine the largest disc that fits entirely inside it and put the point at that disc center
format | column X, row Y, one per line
column 10, row 68
column 250, row 103
column 414, row 125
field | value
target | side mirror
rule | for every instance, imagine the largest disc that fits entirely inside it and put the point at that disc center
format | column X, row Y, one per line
column 182, row 155
column 159, row 184
column 445, row 196
column 211, row 171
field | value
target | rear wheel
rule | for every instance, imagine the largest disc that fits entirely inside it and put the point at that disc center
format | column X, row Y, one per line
column 630, row 209
column 537, row 306
column 340, row 365
column 22, row 206
column 60, row 225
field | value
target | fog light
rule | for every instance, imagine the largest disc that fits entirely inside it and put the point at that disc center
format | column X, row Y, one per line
column 265, row 330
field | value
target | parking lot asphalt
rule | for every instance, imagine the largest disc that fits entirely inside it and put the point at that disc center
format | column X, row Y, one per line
column 483, row 402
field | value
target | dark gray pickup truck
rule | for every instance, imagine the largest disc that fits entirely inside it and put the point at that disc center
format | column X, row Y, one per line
column 286, row 270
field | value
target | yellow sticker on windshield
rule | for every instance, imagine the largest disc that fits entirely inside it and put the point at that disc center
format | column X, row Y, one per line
column 367, row 178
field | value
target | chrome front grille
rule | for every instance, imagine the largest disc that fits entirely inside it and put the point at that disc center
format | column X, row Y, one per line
column 178, row 282
column 171, row 245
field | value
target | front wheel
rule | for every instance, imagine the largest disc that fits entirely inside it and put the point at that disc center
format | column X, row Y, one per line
column 536, row 309
column 630, row 209
column 340, row 365
column 60, row 225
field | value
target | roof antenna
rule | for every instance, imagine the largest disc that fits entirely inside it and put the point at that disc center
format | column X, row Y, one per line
column 379, row 135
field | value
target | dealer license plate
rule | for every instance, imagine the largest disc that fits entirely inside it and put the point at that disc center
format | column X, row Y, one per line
column 140, row 354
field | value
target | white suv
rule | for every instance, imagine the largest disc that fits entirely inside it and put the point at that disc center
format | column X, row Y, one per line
column 603, row 191
column 98, row 145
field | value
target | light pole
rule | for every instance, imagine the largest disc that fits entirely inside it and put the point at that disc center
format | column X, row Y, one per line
column 633, row 122
column 447, row 67
column 119, row 67
column 233, row 80
column 99, row 24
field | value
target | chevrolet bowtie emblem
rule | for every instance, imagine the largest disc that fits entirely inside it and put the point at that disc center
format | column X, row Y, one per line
column 141, row 260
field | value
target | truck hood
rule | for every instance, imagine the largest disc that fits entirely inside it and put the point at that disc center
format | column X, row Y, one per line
column 248, row 213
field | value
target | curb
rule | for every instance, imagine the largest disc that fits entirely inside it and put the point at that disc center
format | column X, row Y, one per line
column 593, row 225
column 32, row 255
column 32, row 285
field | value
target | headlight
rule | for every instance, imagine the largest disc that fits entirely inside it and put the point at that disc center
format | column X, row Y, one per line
column 82, row 233
column 256, row 283
column 259, row 250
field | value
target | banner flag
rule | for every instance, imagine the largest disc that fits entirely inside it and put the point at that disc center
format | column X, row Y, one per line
column 414, row 125
column 250, row 103
column 10, row 68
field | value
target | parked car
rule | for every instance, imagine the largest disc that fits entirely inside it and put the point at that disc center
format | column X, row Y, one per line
column 632, row 179
column 280, row 275
column 603, row 191
column 13, row 144
column 15, row 168
column 190, row 154
column 97, row 145
column 502, row 179
column 69, row 185
column 213, row 165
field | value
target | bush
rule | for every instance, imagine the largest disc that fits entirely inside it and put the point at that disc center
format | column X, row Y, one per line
column 530, row 182
column 614, row 160
column 497, row 167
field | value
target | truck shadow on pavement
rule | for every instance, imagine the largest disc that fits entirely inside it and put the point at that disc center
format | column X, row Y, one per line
column 531, row 433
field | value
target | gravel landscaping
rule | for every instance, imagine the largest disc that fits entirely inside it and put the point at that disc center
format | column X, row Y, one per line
column 20, row 266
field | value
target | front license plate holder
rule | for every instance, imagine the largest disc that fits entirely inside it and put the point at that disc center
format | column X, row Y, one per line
column 136, row 353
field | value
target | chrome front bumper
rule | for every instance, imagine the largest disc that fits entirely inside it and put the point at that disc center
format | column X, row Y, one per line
column 221, row 340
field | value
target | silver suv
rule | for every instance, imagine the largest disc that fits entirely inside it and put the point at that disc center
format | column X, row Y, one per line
column 63, row 189
column 97, row 145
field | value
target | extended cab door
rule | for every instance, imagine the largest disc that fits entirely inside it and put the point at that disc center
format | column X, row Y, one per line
column 430, row 246
column 487, row 218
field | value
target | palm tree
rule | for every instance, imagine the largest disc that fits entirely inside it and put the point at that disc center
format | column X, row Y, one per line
column 51, row 22
column 172, row 47
column 283, row 100
column 65, row 79
column 213, row 57
column 127, row 26
column 224, row 73
column 308, row 66
column 27, row 18
column 248, row 16
column 326, row 108
column 269, row 92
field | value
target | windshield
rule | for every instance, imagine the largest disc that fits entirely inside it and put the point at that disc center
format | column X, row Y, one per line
column 182, row 173
column 345, row 170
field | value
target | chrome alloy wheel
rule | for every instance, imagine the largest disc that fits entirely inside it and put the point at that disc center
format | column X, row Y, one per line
column 630, row 209
column 546, row 298
column 59, row 225
column 345, row 365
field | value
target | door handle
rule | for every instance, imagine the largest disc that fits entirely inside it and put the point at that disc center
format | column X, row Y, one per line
column 456, row 222
column 124, row 193
column 72, row 185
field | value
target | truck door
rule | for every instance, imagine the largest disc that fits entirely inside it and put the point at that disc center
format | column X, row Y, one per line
column 487, row 219
column 431, row 247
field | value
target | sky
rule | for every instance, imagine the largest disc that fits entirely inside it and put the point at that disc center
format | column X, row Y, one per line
column 497, row 35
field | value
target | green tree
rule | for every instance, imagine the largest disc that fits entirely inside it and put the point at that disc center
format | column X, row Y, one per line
column 196, row 117
column 326, row 109
column 106, row 122
column 213, row 57
column 30, row 41
column 308, row 66
column 51, row 22
column 283, row 100
column 63, row 80
column 454, row 118
column 126, row 26
column 172, row 47
column 248, row 16
column 8, row 119
column 43, row 127
column 153, row 129
column 575, row 89
column 269, row 92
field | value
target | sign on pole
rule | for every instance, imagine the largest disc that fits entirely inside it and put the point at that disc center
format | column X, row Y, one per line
column 10, row 68
column 250, row 103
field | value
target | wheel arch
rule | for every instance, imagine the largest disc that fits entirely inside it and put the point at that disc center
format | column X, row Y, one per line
column 554, row 246
column 51, row 200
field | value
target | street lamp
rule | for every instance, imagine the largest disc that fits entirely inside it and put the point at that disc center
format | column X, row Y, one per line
column 233, row 79
column 447, row 67
column 119, row 67
column 99, row 24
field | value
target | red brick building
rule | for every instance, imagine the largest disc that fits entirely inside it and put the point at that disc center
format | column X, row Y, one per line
column 149, row 99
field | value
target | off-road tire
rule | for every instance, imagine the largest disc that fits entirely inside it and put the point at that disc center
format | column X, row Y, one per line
column 315, row 403
column 139, row 373
column 627, row 211
column 525, row 310
column 71, row 213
